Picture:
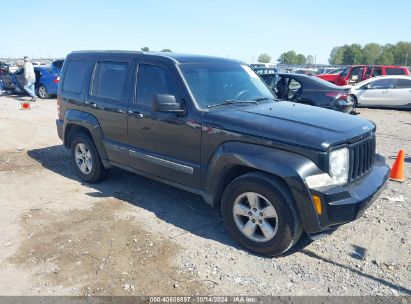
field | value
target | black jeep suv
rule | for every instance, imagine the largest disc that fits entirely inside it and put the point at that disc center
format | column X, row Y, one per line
column 211, row 126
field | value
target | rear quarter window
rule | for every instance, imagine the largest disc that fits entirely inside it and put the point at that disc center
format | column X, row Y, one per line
column 403, row 84
column 394, row 71
column 76, row 71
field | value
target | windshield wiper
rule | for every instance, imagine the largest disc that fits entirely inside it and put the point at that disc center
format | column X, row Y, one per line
column 232, row 101
column 262, row 98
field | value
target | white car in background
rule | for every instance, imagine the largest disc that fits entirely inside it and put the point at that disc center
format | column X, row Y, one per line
column 383, row 91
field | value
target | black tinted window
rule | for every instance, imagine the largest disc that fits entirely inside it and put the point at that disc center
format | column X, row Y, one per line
column 377, row 72
column 74, row 77
column 109, row 79
column 345, row 72
column 403, row 83
column 58, row 64
column 153, row 80
column 394, row 71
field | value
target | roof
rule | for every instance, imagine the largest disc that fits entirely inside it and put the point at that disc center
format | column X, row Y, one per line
column 176, row 57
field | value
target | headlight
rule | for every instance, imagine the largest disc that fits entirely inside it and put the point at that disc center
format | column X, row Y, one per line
column 339, row 165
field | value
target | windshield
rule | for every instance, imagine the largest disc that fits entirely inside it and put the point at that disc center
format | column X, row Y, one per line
column 213, row 83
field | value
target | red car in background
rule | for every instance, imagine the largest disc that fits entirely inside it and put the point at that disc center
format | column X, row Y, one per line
column 357, row 73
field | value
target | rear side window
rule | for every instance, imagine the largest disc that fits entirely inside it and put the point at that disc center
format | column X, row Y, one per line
column 403, row 84
column 109, row 80
column 153, row 80
column 394, row 71
column 74, row 77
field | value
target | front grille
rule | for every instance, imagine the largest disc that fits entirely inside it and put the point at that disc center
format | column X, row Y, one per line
column 362, row 156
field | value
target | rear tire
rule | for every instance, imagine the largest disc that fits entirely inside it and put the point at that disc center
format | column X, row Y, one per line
column 272, row 226
column 354, row 101
column 86, row 159
column 43, row 93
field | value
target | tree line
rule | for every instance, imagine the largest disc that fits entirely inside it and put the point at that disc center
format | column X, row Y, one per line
column 290, row 57
column 371, row 53
column 147, row 49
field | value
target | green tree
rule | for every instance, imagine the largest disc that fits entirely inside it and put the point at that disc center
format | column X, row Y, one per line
column 370, row 53
column 264, row 58
column 289, row 57
column 166, row 50
column 300, row 59
column 386, row 56
column 353, row 54
column 145, row 49
column 400, row 51
column 309, row 59
column 337, row 54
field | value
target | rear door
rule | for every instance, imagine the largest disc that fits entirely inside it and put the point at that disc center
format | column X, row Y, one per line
column 106, row 99
column 19, row 78
column 401, row 95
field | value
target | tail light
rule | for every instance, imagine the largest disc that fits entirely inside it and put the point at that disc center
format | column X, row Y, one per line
column 57, row 79
column 337, row 95
column 59, row 114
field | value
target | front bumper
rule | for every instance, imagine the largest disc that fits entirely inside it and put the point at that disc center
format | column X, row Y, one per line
column 343, row 204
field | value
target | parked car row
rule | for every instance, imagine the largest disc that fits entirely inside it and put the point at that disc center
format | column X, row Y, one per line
column 357, row 73
column 47, row 80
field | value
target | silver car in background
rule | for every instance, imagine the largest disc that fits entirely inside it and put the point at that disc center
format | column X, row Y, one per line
column 383, row 91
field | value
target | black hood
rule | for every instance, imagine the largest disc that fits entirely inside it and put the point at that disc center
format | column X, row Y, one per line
column 291, row 123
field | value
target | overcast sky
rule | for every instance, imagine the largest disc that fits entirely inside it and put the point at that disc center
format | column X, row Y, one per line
column 240, row 29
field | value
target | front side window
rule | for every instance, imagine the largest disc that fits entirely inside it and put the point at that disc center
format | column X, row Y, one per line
column 109, row 80
column 344, row 73
column 74, row 76
column 213, row 83
column 153, row 80
column 382, row 84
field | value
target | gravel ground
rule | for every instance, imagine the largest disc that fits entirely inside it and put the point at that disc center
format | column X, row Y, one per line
column 129, row 235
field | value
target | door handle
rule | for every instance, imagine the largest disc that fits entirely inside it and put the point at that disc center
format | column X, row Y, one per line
column 135, row 114
column 90, row 104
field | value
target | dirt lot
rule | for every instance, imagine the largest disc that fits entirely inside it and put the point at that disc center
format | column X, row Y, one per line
column 130, row 235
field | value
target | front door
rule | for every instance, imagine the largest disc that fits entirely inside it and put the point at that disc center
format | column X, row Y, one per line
column 166, row 145
column 377, row 93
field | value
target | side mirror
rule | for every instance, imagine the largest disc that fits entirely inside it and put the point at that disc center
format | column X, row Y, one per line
column 166, row 103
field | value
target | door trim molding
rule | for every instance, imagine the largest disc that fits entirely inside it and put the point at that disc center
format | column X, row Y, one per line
column 163, row 162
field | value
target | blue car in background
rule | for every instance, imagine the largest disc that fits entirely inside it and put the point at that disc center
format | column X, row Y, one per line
column 47, row 80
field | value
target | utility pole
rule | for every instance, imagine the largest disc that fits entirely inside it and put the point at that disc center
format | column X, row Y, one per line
column 406, row 60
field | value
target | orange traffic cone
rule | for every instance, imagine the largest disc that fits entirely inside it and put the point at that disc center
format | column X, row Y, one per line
column 397, row 171
column 25, row 105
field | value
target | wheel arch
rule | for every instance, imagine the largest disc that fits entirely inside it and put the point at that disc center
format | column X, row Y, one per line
column 232, row 160
column 77, row 121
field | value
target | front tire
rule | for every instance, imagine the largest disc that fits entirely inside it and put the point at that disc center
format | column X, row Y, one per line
column 43, row 93
column 260, row 214
column 86, row 159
